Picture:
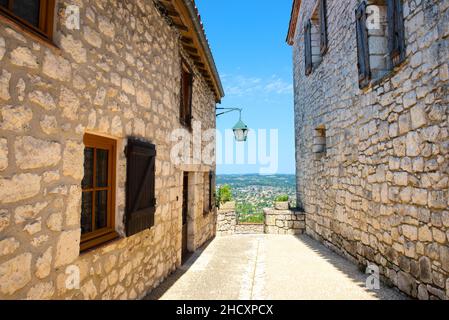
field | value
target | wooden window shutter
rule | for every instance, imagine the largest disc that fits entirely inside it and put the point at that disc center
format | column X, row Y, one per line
column 308, row 47
column 362, row 46
column 186, row 95
column 323, row 26
column 211, row 190
column 396, row 38
column 140, row 186
column 189, row 101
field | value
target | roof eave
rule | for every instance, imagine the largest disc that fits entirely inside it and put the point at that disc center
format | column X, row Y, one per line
column 204, row 43
column 293, row 22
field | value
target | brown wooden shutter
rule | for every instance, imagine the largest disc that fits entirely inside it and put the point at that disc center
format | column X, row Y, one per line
column 308, row 47
column 189, row 101
column 140, row 186
column 186, row 95
column 323, row 26
column 396, row 38
column 362, row 45
column 211, row 190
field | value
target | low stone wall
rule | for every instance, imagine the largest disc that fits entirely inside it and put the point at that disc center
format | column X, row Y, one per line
column 276, row 222
column 250, row 228
column 226, row 222
column 284, row 221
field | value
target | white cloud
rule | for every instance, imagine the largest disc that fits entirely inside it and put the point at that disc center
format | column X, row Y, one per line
column 279, row 86
column 240, row 85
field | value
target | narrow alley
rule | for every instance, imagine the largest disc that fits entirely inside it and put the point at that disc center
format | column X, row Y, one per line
column 259, row 267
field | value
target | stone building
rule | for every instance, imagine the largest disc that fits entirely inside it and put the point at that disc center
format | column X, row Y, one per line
column 90, row 92
column 371, row 83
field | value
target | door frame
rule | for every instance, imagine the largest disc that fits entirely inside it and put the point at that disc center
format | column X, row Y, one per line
column 186, row 229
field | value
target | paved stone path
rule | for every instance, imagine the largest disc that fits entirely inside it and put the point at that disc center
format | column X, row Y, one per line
column 256, row 267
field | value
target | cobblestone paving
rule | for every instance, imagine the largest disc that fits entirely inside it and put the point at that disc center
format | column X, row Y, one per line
column 257, row 267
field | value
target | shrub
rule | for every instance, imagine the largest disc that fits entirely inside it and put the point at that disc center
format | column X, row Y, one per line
column 281, row 198
column 224, row 194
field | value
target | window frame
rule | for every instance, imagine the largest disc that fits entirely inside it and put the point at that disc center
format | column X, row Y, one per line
column 208, row 198
column 108, row 233
column 185, row 114
column 320, row 146
column 46, row 19
column 394, row 36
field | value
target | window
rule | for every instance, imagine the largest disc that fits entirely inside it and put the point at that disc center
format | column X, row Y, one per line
column 186, row 96
column 98, row 198
column 208, row 203
column 319, row 141
column 315, row 37
column 35, row 15
column 380, row 38
column 308, row 47
column 140, row 186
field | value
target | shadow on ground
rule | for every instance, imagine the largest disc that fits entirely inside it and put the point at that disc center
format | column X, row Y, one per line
column 350, row 269
column 271, row 267
column 158, row 292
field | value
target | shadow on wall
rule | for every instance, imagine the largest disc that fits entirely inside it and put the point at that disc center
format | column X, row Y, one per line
column 341, row 263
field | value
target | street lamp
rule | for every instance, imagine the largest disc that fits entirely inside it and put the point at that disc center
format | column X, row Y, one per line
column 240, row 129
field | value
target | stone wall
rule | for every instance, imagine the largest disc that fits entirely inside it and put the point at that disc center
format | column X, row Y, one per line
column 284, row 222
column 277, row 221
column 118, row 76
column 250, row 228
column 380, row 191
column 226, row 220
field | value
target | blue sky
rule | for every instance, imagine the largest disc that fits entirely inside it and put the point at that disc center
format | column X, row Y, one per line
column 247, row 38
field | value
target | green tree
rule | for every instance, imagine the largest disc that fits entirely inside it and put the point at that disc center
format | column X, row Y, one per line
column 224, row 194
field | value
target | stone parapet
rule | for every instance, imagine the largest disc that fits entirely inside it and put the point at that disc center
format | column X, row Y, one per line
column 289, row 221
column 284, row 221
column 226, row 222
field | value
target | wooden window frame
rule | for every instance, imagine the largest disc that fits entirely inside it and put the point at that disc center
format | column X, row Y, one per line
column 46, row 19
column 185, row 114
column 101, row 236
column 208, row 181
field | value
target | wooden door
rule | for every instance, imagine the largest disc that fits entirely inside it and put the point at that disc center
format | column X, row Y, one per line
column 185, row 212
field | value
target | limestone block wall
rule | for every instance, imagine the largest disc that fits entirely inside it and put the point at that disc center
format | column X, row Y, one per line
column 249, row 228
column 284, row 222
column 226, row 221
column 380, row 192
column 118, row 76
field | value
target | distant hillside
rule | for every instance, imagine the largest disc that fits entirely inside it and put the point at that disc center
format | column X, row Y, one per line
column 259, row 180
column 254, row 192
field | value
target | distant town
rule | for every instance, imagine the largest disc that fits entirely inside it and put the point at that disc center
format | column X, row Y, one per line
column 253, row 192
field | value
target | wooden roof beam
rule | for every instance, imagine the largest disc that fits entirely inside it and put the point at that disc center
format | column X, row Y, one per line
column 191, row 49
